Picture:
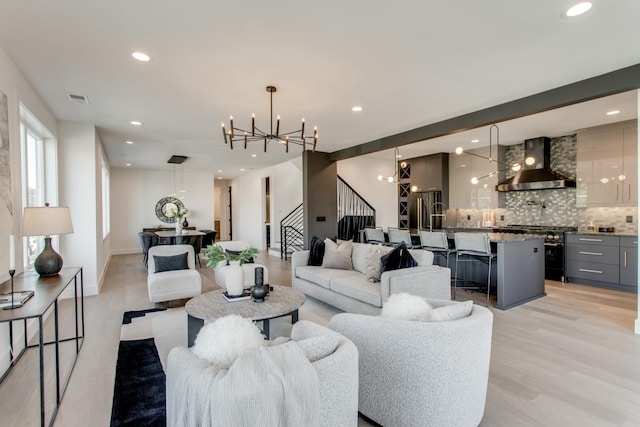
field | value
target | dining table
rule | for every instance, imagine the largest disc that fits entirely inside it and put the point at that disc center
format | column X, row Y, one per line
column 170, row 236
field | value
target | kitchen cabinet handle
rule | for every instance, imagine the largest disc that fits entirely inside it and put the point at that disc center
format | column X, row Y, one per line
column 629, row 192
column 625, row 259
column 590, row 253
column 590, row 240
column 617, row 191
column 586, row 270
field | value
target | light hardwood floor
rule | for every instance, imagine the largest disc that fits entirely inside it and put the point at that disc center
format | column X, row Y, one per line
column 569, row 359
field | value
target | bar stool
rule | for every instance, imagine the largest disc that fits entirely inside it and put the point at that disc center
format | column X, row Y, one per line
column 473, row 246
column 438, row 243
column 374, row 235
column 399, row 235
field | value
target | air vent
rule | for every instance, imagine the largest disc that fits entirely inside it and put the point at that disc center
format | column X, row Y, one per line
column 178, row 160
column 78, row 99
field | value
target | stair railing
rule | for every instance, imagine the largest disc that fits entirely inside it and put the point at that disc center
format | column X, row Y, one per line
column 354, row 212
column 292, row 232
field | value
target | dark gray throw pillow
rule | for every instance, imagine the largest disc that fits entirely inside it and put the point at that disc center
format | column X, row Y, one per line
column 172, row 262
column 316, row 252
column 230, row 252
column 398, row 258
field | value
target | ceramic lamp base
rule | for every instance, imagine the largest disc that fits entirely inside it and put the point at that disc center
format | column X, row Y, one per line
column 49, row 262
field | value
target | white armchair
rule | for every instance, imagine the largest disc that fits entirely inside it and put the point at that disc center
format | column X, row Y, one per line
column 421, row 373
column 174, row 284
column 249, row 268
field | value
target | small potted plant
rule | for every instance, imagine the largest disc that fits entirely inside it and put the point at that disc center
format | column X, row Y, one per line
column 176, row 213
column 216, row 253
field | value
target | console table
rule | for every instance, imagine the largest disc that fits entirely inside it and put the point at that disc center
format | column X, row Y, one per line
column 47, row 291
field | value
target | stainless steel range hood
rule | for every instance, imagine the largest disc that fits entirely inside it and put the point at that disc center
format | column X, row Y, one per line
column 539, row 175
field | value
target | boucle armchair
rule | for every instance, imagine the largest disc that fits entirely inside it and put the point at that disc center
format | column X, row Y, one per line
column 337, row 381
column 421, row 373
column 175, row 284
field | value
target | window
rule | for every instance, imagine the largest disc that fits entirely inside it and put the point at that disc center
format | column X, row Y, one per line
column 37, row 187
column 106, row 196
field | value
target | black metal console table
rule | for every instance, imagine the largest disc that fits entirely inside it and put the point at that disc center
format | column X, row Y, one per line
column 47, row 291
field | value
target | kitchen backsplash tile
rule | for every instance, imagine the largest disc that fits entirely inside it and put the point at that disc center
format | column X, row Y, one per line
column 552, row 207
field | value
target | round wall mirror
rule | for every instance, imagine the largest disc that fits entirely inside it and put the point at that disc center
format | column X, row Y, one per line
column 166, row 205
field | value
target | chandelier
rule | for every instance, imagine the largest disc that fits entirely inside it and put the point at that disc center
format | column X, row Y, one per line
column 396, row 172
column 297, row 137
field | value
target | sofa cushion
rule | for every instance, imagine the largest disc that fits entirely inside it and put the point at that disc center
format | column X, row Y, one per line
column 358, row 287
column 337, row 255
column 359, row 254
column 398, row 258
column 171, row 262
column 322, row 276
column 373, row 269
column 316, row 251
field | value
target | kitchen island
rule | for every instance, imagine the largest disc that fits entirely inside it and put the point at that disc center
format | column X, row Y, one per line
column 518, row 273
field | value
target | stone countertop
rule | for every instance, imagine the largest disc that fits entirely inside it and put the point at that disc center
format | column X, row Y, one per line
column 498, row 237
column 595, row 233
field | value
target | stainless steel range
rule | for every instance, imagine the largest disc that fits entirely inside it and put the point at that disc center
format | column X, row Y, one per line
column 554, row 238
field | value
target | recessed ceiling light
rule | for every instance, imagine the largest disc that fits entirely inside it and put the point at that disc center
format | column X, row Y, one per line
column 253, row 155
column 136, row 123
column 242, row 170
column 141, row 56
column 128, row 164
column 356, row 109
column 475, row 140
column 613, row 112
column 578, row 9
column 219, row 170
column 219, row 177
column 130, row 142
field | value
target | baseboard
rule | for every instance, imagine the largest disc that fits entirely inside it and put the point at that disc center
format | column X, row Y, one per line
column 128, row 251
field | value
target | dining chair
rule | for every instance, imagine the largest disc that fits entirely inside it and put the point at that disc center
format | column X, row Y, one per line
column 438, row 243
column 473, row 247
column 195, row 241
column 147, row 240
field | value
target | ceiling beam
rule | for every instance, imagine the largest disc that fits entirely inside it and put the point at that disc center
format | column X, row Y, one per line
column 622, row 80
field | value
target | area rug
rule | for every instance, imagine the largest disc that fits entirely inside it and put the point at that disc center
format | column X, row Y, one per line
column 139, row 388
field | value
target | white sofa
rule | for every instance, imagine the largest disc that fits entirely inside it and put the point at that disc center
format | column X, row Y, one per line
column 175, row 284
column 349, row 290
column 337, row 382
column 415, row 373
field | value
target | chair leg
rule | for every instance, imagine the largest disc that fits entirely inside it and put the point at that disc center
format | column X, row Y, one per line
column 455, row 280
column 489, row 282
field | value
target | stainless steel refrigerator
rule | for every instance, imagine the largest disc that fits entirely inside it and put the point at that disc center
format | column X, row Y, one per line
column 426, row 210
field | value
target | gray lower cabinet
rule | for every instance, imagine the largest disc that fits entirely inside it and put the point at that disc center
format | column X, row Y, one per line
column 629, row 262
column 601, row 260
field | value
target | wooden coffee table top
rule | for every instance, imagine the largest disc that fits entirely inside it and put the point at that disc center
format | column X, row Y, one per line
column 211, row 305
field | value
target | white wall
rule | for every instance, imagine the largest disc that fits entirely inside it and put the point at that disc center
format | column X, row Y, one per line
column 134, row 194
column 361, row 173
column 18, row 90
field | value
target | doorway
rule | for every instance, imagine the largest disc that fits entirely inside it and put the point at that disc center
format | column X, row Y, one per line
column 266, row 214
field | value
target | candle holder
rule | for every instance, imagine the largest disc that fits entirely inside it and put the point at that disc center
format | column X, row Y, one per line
column 13, row 299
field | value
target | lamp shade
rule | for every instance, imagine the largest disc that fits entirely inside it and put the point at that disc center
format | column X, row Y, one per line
column 46, row 221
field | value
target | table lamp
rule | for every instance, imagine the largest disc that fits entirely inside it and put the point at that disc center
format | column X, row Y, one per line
column 47, row 221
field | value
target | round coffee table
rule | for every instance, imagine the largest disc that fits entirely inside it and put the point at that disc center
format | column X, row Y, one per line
column 281, row 301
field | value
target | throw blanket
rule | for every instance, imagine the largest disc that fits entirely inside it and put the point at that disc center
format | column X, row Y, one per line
column 274, row 386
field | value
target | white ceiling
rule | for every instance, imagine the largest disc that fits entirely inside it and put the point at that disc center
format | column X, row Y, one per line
column 409, row 63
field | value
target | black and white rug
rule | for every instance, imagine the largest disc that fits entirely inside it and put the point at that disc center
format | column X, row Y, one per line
column 139, row 389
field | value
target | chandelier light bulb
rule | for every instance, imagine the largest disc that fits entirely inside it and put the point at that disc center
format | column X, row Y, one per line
column 403, row 165
column 390, row 179
column 380, row 177
column 459, row 150
column 414, row 188
column 474, row 180
column 622, row 177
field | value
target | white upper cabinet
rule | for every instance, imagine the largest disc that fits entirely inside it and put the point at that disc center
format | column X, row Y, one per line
column 607, row 165
column 465, row 195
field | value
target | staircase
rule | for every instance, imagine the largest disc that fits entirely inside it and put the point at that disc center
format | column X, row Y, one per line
column 354, row 214
column 292, row 232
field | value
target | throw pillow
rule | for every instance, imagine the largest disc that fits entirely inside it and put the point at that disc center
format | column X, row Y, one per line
column 373, row 268
column 318, row 347
column 316, row 252
column 403, row 306
column 398, row 258
column 224, row 340
column 453, row 311
column 171, row 262
column 337, row 255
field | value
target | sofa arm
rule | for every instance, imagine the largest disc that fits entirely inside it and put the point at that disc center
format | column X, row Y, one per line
column 429, row 281
column 298, row 259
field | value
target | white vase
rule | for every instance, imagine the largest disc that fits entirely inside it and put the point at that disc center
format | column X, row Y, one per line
column 178, row 226
column 234, row 278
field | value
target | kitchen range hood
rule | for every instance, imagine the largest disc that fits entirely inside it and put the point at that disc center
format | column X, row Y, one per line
column 537, row 176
